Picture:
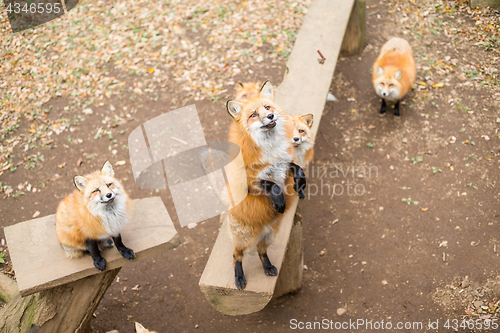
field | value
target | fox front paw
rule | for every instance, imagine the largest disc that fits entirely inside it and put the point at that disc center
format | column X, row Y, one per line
column 240, row 282
column 100, row 263
column 271, row 270
column 279, row 203
column 127, row 253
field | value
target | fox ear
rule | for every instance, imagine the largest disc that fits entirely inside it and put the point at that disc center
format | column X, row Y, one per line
column 107, row 169
column 80, row 183
column 233, row 108
column 239, row 86
column 267, row 90
column 308, row 119
column 139, row 328
column 398, row 74
column 258, row 84
column 380, row 71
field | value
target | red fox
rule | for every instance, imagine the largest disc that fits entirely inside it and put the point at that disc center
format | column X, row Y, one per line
column 263, row 132
column 140, row 329
column 98, row 209
column 247, row 90
column 394, row 72
column 302, row 139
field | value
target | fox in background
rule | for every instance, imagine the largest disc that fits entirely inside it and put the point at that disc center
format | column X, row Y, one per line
column 99, row 208
column 394, row 72
column 263, row 132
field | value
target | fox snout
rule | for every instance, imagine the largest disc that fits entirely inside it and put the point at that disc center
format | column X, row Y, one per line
column 270, row 120
column 108, row 197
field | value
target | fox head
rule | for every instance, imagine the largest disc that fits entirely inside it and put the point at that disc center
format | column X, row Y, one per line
column 302, row 130
column 100, row 189
column 140, row 329
column 387, row 82
column 259, row 116
column 247, row 90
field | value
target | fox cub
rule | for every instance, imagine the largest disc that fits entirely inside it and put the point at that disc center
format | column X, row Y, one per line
column 394, row 72
column 263, row 132
column 98, row 209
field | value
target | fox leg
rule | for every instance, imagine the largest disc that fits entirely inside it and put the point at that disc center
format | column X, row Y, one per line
column 384, row 107
column 276, row 194
column 299, row 177
column 269, row 269
column 396, row 108
column 93, row 248
column 124, row 251
column 239, row 276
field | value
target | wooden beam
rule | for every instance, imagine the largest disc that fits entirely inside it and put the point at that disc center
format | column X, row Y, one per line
column 354, row 38
column 40, row 262
column 484, row 3
column 303, row 90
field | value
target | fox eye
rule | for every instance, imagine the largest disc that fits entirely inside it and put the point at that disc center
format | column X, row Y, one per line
column 382, row 84
column 267, row 107
column 109, row 184
column 253, row 115
column 391, row 85
column 96, row 190
column 301, row 131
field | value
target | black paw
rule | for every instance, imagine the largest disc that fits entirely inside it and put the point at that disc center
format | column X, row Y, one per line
column 127, row 253
column 270, row 270
column 240, row 282
column 383, row 107
column 100, row 263
column 300, row 190
column 279, row 203
column 396, row 112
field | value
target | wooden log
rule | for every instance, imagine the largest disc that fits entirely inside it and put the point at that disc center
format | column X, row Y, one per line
column 484, row 3
column 303, row 90
column 290, row 276
column 40, row 263
column 64, row 309
column 354, row 38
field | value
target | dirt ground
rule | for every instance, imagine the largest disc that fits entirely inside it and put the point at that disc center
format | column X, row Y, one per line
column 412, row 238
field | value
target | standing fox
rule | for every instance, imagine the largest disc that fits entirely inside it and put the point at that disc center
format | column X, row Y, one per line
column 97, row 210
column 263, row 132
column 393, row 72
column 302, row 139
column 302, row 135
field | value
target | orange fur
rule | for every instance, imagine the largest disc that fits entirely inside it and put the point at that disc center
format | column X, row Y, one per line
column 396, row 55
column 75, row 223
column 247, row 90
column 304, row 148
column 255, row 214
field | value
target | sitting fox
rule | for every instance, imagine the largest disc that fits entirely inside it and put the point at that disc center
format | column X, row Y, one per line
column 98, row 209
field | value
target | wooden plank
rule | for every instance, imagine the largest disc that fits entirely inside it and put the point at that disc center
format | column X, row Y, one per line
column 354, row 38
column 40, row 263
column 303, row 90
column 484, row 3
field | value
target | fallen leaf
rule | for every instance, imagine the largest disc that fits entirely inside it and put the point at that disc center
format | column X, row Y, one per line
column 36, row 214
column 120, row 163
column 424, row 209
